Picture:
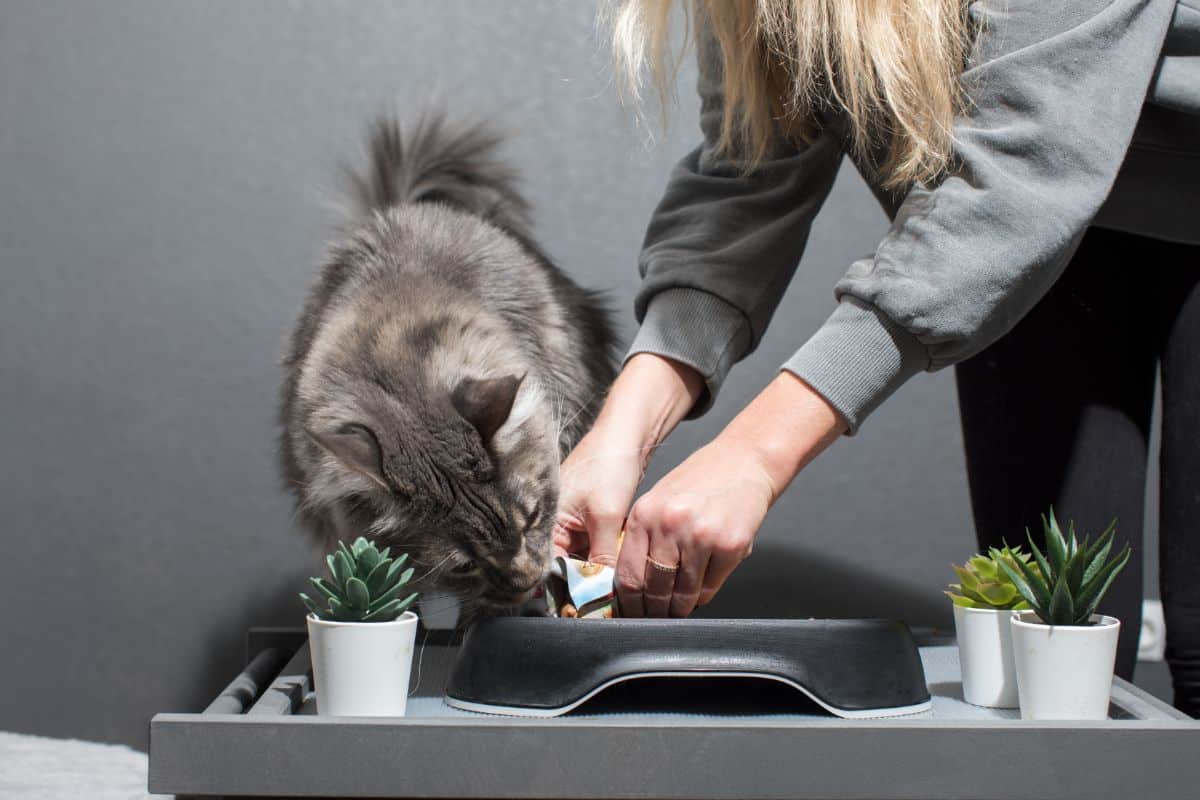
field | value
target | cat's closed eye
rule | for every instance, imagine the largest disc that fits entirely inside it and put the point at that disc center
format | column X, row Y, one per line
column 463, row 568
column 531, row 516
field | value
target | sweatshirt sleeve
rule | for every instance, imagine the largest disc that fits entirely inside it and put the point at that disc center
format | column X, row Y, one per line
column 1055, row 90
column 721, row 246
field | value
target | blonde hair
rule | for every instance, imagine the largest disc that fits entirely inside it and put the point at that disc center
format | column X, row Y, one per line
column 892, row 66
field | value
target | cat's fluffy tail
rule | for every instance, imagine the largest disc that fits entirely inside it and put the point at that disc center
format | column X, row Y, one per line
column 440, row 161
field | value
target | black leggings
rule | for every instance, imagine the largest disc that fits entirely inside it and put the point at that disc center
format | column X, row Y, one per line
column 1058, row 412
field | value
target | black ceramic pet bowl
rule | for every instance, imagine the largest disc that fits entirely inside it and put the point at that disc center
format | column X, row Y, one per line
column 544, row 667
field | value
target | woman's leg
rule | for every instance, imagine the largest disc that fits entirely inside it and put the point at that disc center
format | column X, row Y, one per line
column 1179, row 487
column 1058, row 413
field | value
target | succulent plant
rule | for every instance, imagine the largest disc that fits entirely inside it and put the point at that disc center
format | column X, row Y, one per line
column 982, row 584
column 365, row 586
column 1071, row 578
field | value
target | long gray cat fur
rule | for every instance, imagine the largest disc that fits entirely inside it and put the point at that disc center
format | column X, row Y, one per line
column 441, row 368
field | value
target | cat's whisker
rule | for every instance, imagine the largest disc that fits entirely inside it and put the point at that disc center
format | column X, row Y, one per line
column 558, row 412
column 420, row 661
column 433, row 569
column 583, row 406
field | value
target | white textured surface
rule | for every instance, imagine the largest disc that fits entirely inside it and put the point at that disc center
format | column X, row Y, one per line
column 39, row 768
column 362, row 668
column 989, row 676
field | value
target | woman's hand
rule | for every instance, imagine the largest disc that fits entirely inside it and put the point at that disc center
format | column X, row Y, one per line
column 686, row 535
column 599, row 477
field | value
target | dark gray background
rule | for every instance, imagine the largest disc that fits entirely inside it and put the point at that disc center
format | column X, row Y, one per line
column 165, row 180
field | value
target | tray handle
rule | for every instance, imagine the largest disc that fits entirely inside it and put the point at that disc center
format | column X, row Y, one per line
column 243, row 690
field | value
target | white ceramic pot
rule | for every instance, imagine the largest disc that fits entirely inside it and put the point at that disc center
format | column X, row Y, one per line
column 361, row 669
column 1064, row 671
column 985, row 651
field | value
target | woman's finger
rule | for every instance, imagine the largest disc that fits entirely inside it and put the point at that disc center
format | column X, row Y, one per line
column 689, row 582
column 720, row 566
column 569, row 536
column 604, row 525
column 631, row 570
column 662, row 569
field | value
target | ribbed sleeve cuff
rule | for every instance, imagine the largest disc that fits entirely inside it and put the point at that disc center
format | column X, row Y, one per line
column 857, row 359
column 695, row 328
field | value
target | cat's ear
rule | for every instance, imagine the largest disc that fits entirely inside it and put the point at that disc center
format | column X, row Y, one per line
column 486, row 403
column 356, row 446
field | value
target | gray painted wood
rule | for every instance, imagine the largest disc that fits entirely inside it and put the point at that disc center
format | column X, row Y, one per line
column 249, row 683
column 955, row 751
column 287, row 692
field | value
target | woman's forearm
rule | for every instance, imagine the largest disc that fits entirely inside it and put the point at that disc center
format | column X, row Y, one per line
column 787, row 425
column 648, row 399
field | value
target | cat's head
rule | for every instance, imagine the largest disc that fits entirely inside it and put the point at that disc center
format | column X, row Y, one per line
column 431, row 435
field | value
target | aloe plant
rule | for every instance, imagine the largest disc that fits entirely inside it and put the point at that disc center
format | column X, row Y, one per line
column 1071, row 577
column 365, row 585
column 982, row 584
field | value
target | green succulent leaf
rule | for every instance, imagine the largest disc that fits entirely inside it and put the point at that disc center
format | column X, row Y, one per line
column 966, row 577
column 1056, row 547
column 998, row 594
column 367, row 561
column 1074, row 572
column 395, row 588
column 357, row 594
column 375, row 581
column 1020, row 583
column 387, row 596
column 393, row 573
column 1062, row 607
column 390, row 610
column 1017, row 553
column 343, row 569
column 325, row 588
column 983, row 583
column 981, row 566
column 405, row 576
column 960, row 600
column 1042, row 563
column 364, row 584
column 1097, row 555
column 406, row 603
column 1093, row 592
column 312, row 605
column 1064, row 585
column 385, row 613
column 340, row 612
column 1033, row 577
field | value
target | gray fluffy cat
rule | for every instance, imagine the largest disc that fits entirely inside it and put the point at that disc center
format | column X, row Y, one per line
column 441, row 369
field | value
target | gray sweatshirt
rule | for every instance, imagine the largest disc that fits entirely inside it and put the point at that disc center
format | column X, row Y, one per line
column 1082, row 112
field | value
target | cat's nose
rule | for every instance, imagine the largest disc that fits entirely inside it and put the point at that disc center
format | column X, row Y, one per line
column 526, row 570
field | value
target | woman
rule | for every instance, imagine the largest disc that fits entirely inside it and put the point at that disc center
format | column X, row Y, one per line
column 1040, row 162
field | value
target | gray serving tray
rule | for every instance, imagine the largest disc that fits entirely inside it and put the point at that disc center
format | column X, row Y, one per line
column 692, row 738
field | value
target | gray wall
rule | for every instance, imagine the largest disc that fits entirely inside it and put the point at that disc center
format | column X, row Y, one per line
column 164, row 179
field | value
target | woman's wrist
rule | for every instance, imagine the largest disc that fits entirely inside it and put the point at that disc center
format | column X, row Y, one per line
column 650, row 396
column 786, row 426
